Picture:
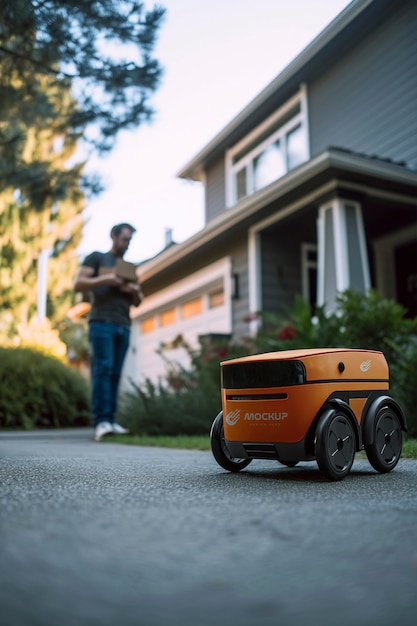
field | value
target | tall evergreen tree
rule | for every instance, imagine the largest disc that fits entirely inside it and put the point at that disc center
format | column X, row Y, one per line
column 71, row 72
column 44, row 213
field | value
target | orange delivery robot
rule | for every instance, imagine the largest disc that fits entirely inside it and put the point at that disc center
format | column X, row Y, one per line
column 322, row 404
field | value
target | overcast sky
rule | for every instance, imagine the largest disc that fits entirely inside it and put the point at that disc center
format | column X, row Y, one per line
column 217, row 56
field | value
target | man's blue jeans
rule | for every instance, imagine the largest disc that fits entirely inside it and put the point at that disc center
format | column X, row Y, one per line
column 109, row 344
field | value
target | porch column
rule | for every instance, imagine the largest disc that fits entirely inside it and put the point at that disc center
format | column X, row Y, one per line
column 254, row 278
column 342, row 255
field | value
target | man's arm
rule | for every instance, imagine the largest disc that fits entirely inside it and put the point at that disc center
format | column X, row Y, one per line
column 86, row 281
column 135, row 291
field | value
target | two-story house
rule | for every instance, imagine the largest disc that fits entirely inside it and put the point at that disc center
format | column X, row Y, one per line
column 310, row 189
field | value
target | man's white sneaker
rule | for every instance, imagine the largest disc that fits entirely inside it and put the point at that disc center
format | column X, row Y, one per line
column 102, row 429
column 119, row 430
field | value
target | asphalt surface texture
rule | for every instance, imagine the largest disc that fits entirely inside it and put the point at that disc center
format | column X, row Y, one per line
column 107, row 534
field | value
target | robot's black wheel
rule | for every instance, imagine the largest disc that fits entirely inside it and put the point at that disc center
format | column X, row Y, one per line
column 220, row 450
column 289, row 463
column 335, row 444
column 385, row 451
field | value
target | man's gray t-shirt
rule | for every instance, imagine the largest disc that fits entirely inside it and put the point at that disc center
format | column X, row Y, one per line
column 108, row 304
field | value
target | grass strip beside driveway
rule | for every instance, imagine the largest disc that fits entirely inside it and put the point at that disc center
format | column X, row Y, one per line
column 202, row 442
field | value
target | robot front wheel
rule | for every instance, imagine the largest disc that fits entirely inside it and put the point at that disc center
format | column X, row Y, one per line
column 335, row 444
column 220, row 450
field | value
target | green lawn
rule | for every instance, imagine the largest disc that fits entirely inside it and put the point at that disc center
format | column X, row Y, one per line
column 203, row 443
column 410, row 449
column 185, row 442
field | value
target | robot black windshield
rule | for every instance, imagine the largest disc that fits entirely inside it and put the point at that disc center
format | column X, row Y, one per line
column 262, row 374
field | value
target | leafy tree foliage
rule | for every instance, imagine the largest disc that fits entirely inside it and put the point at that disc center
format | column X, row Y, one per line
column 103, row 48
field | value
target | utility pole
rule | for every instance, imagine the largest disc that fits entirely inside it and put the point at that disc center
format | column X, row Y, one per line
column 42, row 283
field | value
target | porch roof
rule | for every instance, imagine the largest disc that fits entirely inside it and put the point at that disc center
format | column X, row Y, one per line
column 331, row 172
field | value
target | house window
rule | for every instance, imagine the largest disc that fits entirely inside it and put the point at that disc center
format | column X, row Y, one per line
column 168, row 317
column 296, row 147
column 269, row 165
column 241, row 184
column 148, row 325
column 270, row 151
column 192, row 307
column 216, row 298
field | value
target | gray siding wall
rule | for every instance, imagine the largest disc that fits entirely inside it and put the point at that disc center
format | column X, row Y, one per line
column 368, row 101
column 215, row 189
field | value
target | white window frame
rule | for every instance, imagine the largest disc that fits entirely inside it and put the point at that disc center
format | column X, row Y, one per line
column 247, row 161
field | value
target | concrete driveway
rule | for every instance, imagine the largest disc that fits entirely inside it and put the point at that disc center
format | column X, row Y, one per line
column 105, row 534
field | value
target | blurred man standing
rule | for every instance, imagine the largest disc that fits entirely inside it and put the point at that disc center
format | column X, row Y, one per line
column 109, row 326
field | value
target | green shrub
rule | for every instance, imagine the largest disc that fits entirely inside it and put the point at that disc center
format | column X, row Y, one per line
column 375, row 323
column 187, row 401
column 403, row 373
column 38, row 391
column 161, row 410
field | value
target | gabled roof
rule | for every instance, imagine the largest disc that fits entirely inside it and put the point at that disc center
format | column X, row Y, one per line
column 356, row 19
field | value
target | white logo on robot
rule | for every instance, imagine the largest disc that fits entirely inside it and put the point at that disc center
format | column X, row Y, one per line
column 232, row 417
column 365, row 365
